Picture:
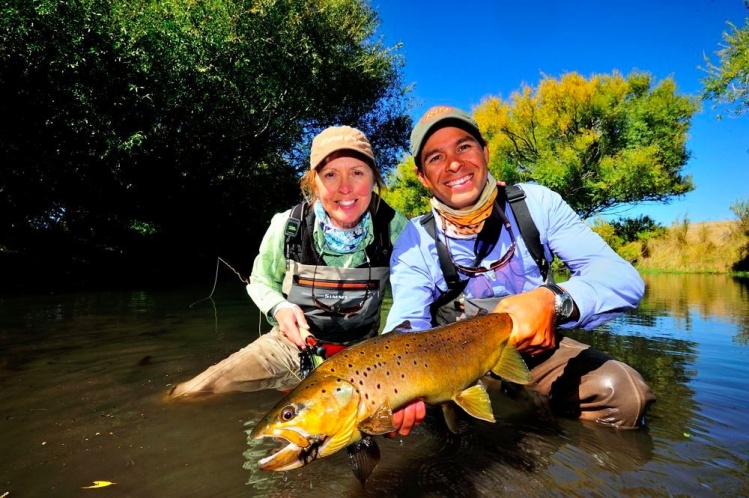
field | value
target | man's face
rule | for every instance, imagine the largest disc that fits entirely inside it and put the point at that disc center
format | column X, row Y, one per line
column 454, row 167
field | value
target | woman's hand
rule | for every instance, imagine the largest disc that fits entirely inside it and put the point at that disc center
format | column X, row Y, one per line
column 408, row 417
column 533, row 316
column 292, row 323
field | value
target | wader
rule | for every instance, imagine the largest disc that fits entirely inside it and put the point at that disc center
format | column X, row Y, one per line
column 578, row 380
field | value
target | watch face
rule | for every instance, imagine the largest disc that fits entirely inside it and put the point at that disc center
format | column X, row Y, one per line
column 563, row 303
column 566, row 306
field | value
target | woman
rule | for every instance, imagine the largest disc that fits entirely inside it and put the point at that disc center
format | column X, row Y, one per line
column 321, row 269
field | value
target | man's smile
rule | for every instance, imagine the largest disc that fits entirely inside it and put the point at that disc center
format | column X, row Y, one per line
column 460, row 181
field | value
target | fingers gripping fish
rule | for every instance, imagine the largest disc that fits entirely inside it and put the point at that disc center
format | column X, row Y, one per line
column 352, row 395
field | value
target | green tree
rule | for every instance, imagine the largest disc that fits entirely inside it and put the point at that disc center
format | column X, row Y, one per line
column 177, row 124
column 603, row 142
column 740, row 209
column 406, row 193
column 727, row 81
column 639, row 228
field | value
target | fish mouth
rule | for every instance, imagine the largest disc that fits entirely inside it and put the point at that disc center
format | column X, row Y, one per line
column 296, row 450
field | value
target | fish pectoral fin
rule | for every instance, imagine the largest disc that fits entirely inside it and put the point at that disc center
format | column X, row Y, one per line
column 380, row 422
column 451, row 416
column 364, row 455
column 511, row 366
column 475, row 401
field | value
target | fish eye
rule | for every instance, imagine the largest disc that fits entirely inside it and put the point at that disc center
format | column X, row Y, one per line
column 288, row 413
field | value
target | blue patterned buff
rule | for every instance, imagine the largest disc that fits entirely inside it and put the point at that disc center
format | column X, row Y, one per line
column 339, row 240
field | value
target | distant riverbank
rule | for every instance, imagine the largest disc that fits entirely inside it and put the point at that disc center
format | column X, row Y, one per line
column 707, row 247
column 713, row 247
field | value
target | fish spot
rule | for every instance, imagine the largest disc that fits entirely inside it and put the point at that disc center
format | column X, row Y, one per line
column 416, row 362
column 395, row 390
column 403, row 376
column 361, row 382
column 378, row 386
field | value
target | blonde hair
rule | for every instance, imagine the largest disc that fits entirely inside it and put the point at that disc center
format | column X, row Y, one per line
column 307, row 182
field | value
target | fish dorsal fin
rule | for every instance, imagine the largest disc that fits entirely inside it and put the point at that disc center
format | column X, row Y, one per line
column 511, row 366
column 475, row 401
column 380, row 422
column 451, row 416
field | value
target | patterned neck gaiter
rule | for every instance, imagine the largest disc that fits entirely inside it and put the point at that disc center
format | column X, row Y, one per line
column 339, row 240
column 465, row 223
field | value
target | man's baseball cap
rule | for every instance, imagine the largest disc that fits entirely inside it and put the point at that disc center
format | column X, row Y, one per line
column 338, row 138
column 438, row 117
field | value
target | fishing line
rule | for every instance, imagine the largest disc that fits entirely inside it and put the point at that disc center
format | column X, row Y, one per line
column 242, row 278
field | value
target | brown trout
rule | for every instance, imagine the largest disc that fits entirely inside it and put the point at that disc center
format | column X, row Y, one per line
column 352, row 395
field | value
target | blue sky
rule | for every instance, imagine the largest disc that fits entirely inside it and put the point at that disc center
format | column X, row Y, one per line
column 458, row 52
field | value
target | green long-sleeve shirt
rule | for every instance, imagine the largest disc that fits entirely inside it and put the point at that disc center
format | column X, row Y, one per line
column 270, row 264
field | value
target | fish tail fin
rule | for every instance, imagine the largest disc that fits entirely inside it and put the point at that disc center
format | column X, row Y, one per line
column 511, row 366
column 475, row 401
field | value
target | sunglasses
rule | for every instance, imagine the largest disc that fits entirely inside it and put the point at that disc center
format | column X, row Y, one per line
column 476, row 270
column 337, row 285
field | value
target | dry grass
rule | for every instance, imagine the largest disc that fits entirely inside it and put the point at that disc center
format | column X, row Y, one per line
column 710, row 247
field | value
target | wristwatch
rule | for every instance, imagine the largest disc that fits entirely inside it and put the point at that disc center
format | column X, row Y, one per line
column 563, row 303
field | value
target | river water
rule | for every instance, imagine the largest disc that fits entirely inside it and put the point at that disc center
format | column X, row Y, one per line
column 83, row 379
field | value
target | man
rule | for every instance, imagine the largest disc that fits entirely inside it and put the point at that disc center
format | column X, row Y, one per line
column 498, row 272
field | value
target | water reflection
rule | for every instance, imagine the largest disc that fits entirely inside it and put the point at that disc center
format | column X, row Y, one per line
column 708, row 297
column 83, row 379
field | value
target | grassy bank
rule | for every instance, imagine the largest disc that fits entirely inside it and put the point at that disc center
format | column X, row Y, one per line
column 709, row 247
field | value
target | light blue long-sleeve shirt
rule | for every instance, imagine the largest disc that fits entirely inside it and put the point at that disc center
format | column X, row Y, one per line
column 602, row 284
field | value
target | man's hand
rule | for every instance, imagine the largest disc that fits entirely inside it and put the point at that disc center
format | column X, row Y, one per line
column 291, row 319
column 532, row 313
column 407, row 418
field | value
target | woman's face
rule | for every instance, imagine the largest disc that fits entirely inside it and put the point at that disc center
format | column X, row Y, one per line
column 344, row 186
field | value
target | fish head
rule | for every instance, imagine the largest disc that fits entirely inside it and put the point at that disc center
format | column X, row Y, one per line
column 316, row 419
